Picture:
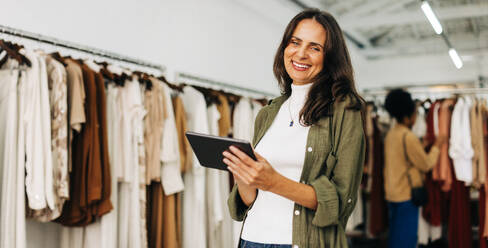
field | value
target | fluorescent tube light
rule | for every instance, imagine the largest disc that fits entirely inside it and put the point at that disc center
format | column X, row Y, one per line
column 455, row 58
column 431, row 17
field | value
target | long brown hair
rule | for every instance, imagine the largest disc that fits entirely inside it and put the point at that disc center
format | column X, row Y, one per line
column 334, row 82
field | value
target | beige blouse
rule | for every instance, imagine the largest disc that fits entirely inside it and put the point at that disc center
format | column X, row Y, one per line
column 153, row 130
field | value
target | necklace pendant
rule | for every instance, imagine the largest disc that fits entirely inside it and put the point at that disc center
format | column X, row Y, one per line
column 291, row 123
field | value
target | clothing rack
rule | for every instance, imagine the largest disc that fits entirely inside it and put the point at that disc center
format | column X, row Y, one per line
column 216, row 85
column 430, row 90
column 80, row 48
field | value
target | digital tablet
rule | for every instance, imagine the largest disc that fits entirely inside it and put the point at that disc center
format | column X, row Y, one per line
column 209, row 148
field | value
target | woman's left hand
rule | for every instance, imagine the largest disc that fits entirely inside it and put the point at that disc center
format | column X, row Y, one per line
column 259, row 174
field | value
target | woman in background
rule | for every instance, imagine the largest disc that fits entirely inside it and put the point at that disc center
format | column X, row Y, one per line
column 405, row 159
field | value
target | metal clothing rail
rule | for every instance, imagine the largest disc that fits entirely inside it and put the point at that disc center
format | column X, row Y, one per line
column 431, row 91
column 181, row 76
column 77, row 47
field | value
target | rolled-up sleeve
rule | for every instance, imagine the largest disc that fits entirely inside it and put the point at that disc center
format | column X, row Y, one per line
column 237, row 208
column 337, row 194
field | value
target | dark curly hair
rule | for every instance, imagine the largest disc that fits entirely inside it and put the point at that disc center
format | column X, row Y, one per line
column 336, row 80
column 399, row 104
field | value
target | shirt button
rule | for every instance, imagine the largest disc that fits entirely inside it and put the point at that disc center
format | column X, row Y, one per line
column 349, row 200
column 297, row 212
column 309, row 149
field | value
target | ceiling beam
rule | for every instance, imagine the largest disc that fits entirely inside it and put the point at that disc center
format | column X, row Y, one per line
column 366, row 8
column 415, row 16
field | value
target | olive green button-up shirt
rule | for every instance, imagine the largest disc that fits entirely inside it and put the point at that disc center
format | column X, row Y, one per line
column 333, row 167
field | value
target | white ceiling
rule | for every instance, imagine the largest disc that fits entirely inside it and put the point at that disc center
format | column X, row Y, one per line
column 392, row 28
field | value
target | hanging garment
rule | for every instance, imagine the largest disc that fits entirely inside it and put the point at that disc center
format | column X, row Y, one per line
column 108, row 222
column 459, row 227
column 129, row 218
column 71, row 237
column 482, row 215
column 155, row 105
column 194, row 221
column 378, row 206
column 426, row 232
column 479, row 163
column 142, row 179
column 181, row 126
column 419, row 128
column 57, row 82
column 90, row 178
column 224, row 236
column 38, row 181
column 442, row 171
column 185, row 159
column 224, row 120
column 433, row 211
column 460, row 149
column 485, row 140
column 12, row 129
column 92, row 234
column 76, row 103
column 169, row 155
column 104, row 205
column 155, row 215
column 214, row 200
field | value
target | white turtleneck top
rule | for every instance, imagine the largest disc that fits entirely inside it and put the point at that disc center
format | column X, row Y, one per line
column 269, row 221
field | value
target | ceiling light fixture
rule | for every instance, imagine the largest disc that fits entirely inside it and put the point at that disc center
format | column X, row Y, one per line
column 455, row 58
column 431, row 17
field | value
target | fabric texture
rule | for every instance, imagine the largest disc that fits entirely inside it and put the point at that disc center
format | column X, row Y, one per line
column 460, row 147
column 404, row 217
column 270, row 219
column 12, row 216
column 397, row 187
column 57, row 83
column 194, row 219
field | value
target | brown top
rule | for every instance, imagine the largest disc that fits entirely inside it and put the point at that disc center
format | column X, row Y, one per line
column 397, row 188
column 90, row 177
column 185, row 149
column 224, row 121
column 104, row 205
column 76, row 102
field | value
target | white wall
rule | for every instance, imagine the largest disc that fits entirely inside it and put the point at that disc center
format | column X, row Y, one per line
column 217, row 39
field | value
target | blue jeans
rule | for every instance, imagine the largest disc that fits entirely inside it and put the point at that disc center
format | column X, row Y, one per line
column 249, row 244
column 404, row 222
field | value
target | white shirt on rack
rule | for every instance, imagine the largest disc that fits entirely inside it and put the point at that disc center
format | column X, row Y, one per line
column 460, row 147
column 270, row 219
column 194, row 215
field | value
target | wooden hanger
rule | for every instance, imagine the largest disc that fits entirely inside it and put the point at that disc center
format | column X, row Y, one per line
column 12, row 53
column 58, row 58
column 178, row 88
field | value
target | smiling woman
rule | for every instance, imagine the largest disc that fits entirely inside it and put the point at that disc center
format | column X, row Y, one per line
column 303, row 186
